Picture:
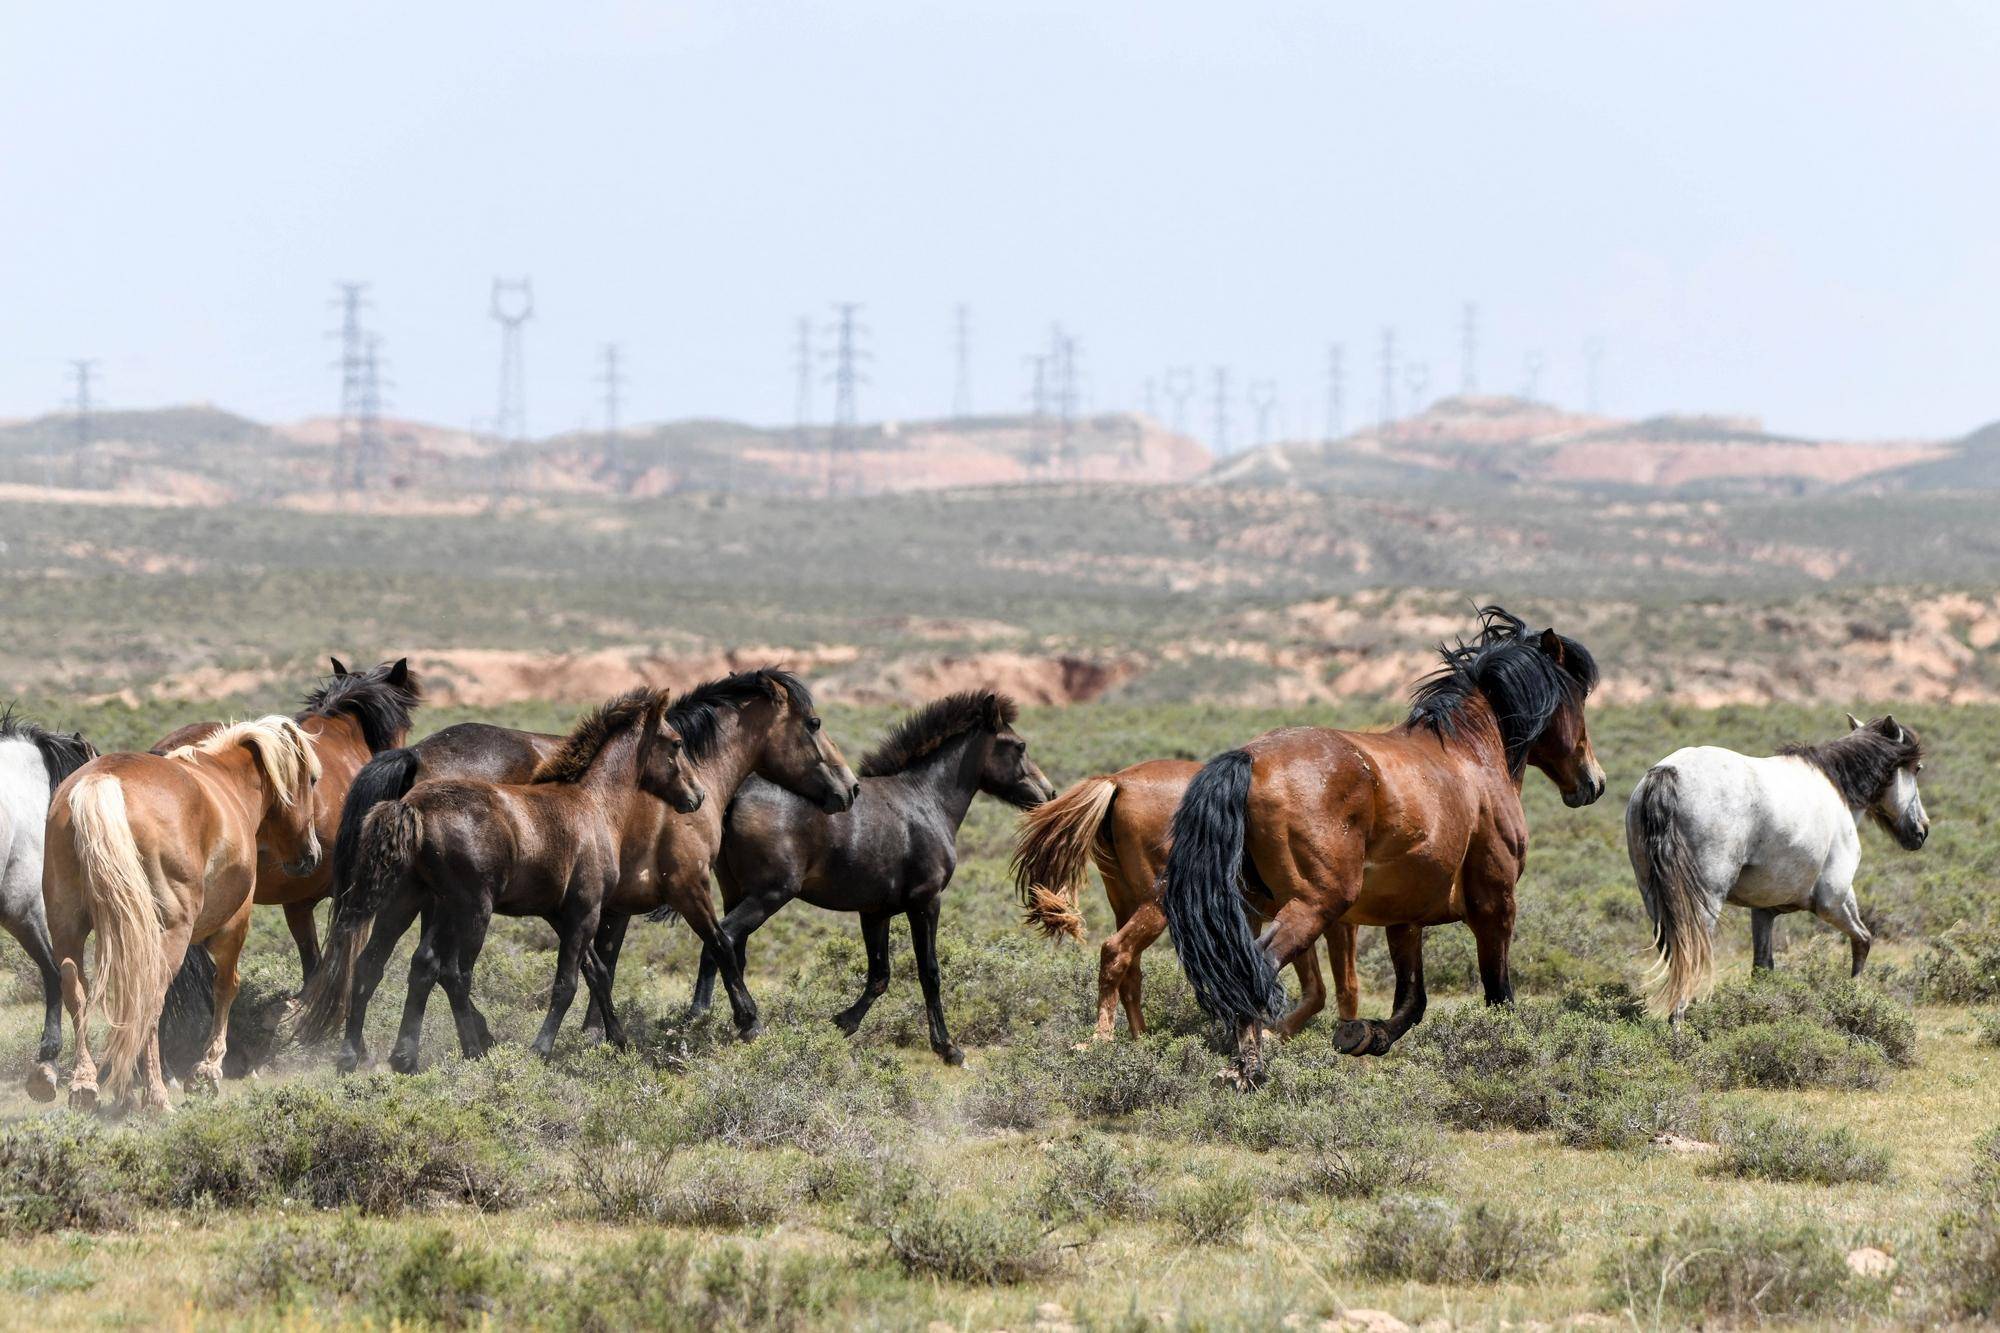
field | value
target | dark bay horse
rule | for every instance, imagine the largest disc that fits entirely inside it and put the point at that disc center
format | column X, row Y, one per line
column 351, row 717
column 553, row 847
column 1413, row 827
column 760, row 721
column 893, row 853
column 1119, row 822
column 153, row 853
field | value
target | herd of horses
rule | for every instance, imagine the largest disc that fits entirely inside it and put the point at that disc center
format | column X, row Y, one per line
column 1247, row 861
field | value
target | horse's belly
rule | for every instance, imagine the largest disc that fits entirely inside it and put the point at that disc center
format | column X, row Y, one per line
column 1786, row 884
column 1406, row 893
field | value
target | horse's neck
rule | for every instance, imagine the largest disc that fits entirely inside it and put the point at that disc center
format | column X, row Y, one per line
column 949, row 775
column 738, row 747
column 1475, row 735
column 614, row 767
column 242, row 776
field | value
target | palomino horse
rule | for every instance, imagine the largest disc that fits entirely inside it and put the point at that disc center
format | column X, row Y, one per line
column 553, row 847
column 1707, row 826
column 894, row 852
column 1119, row 822
column 157, row 852
column 1407, row 828
column 351, row 717
column 760, row 722
column 33, row 763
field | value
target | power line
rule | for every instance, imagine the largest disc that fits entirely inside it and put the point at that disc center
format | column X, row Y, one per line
column 611, row 379
column 1388, row 377
column 513, row 305
column 1221, row 405
column 80, row 402
column 1468, row 349
column 961, row 337
column 1263, row 396
column 1062, row 388
column 1180, row 388
column 802, row 374
column 846, row 377
column 368, row 447
column 1336, row 392
column 353, row 299
column 1531, row 375
column 1416, row 381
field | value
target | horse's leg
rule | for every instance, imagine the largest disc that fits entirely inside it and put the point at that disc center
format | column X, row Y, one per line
column 426, row 969
column 1312, row 993
column 923, row 937
column 1341, row 953
column 597, row 979
column 76, row 999
column 1488, row 878
column 148, row 1089
column 875, row 935
column 698, row 910
column 226, row 948
column 391, row 924
column 575, row 927
column 33, row 933
column 305, row 934
column 607, row 946
column 1294, row 929
column 743, row 918
column 1761, row 921
column 1118, row 972
column 1834, row 904
column 455, row 966
column 1406, row 951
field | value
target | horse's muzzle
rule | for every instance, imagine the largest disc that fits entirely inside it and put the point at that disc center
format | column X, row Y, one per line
column 838, row 799
column 1585, row 792
column 690, row 802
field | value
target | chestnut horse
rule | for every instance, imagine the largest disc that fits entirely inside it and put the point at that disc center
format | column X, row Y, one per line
column 157, row 852
column 351, row 717
column 1408, row 828
column 553, row 847
column 1119, row 822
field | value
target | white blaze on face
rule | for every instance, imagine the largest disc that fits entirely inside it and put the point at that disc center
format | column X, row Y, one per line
column 1904, row 804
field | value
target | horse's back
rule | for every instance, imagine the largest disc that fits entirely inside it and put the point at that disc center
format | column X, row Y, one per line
column 24, row 808
column 483, row 751
column 1767, row 823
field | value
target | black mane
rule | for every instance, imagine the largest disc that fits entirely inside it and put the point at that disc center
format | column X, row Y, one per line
column 697, row 714
column 1505, row 663
column 593, row 731
column 62, row 752
column 381, row 709
column 1863, row 763
column 921, row 733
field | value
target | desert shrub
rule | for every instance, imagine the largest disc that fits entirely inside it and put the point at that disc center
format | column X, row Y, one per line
column 381, row 1144
column 1818, row 997
column 1961, row 966
column 1965, row 1267
column 657, row 1283
column 1734, row 1268
column 1093, row 1176
column 1212, row 1211
column 61, row 1174
column 721, row 1188
column 428, row 1278
column 1119, row 1078
column 1791, row 1053
column 805, row 1086
column 1778, row 1147
column 1540, row 1066
column 1988, row 1033
column 1433, row 1240
column 965, row 1238
column 1015, row 1091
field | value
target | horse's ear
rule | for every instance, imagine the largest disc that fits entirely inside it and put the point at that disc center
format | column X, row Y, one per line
column 1552, row 645
column 1853, row 723
column 399, row 674
column 1891, row 728
column 339, row 667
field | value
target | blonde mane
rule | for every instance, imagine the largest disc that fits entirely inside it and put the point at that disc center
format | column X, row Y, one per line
column 284, row 752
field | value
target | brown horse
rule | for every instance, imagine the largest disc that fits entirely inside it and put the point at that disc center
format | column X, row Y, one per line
column 351, row 717
column 1119, row 823
column 553, row 847
column 157, row 852
column 1408, row 828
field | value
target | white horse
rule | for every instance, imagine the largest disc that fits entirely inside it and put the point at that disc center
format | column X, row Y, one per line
column 1707, row 826
column 33, row 761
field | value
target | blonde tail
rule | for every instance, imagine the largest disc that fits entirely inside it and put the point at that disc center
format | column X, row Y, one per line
column 1053, row 852
column 1681, row 905
column 131, row 970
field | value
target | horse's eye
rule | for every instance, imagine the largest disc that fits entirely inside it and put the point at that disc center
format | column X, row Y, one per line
column 1920, row 768
column 812, row 724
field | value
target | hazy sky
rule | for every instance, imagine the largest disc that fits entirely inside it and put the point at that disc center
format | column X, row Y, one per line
column 1790, row 209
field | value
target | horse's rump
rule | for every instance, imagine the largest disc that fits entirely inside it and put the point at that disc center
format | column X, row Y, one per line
column 1681, row 906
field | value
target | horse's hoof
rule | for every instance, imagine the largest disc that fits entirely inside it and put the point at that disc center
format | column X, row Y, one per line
column 42, row 1083
column 952, row 1056
column 847, row 1024
column 403, row 1062
column 1381, row 1042
column 206, row 1079
column 1354, row 1036
column 83, row 1097
column 753, row 1029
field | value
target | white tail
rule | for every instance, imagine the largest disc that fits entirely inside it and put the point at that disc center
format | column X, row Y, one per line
column 131, row 973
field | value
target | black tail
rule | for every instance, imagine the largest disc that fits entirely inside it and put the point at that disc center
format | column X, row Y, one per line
column 387, row 777
column 1232, row 976
column 387, row 847
column 1670, row 883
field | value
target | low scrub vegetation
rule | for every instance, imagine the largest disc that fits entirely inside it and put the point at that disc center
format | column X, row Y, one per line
column 1435, row 1240
column 1735, row 1268
column 1782, row 1147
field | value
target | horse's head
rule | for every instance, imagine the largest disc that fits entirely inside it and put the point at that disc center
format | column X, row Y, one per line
column 664, row 770
column 290, row 769
column 1009, row 774
column 1562, row 750
column 1898, row 806
column 800, row 756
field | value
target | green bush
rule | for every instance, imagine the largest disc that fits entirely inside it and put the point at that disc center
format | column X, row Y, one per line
column 1093, row 1176
column 1961, row 966
column 1734, row 1268
column 1778, row 1147
column 806, row 1087
column 1435, row 1241
column 1791, row 1053
column 61, row 1174
column 1015, row 1091
column 1989, row 1028
column 429, row 1278
column 965, row 1238
column 720, row 1188
column 1212, row 1211
column 1966, row 1264
column 1817, row 997
column 1119, row 1078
